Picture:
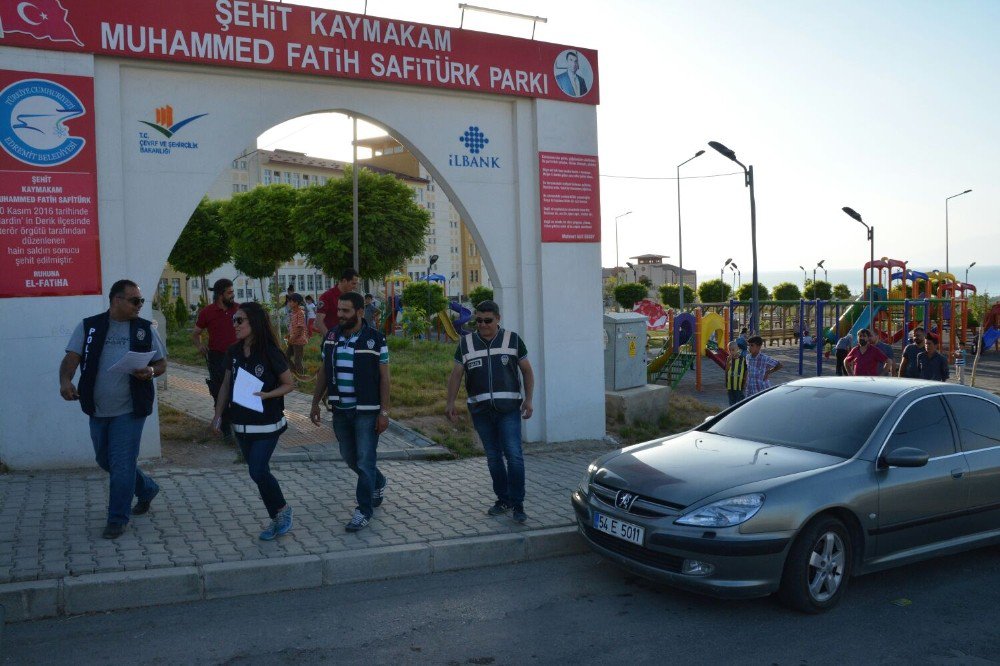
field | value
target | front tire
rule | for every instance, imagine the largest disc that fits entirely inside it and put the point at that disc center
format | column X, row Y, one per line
column 818, row 567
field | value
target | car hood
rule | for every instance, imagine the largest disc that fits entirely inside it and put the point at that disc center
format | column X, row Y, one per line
column 696, row 465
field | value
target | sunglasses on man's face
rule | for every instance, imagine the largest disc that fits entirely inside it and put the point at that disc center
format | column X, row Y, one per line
column 484, row 320
column 135, row 300
column 237, row 320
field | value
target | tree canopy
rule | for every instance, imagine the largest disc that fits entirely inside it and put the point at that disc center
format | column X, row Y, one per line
column 203, row 245
column 391, row 225
column 841, row 291
column 630, row 293
column 714, row 291
column 821, row 290
column 745, row 292
column 670, row 294
column 480, row 294
column 786, row 291
column 257, row 223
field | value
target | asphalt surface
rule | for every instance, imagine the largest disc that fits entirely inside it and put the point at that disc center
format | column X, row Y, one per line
column 579, row 609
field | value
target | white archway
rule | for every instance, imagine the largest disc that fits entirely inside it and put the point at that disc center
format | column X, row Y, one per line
column 549, row 292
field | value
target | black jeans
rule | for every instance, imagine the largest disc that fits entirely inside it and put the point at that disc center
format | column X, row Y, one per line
column 734, row 396
column 841, row 355
column 216, row 373
column 257, row 453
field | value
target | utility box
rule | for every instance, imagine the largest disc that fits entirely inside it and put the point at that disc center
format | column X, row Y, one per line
column 624, row 350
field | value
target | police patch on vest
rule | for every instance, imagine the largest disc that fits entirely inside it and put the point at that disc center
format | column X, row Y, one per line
column 140, row 335
column 478, row 363
column 259, row 371
column 371, row 344
column 504, row 359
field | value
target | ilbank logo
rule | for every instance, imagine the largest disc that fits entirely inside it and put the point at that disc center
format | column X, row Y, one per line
column 474, row 140
column 33, row 113
column 165, row 125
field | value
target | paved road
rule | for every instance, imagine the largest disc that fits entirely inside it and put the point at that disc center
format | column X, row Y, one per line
column 577, row 609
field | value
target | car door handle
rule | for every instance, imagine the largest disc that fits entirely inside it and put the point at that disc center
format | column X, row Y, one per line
column 957, row 473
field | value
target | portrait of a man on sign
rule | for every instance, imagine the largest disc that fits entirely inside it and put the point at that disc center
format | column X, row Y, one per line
column 573, row 72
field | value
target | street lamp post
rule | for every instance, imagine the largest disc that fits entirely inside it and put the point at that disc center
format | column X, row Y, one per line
column 735, row 271
column 617, row 217
column 967, row 272
column 871, row 265
column 430, row 264
column 818, row 267
column 680, row 243
column 635, row 277
column 947, row 268
column 748, row 174
column 805, row 278
column 722, row 271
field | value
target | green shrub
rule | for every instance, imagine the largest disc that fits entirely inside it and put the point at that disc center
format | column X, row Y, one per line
column 628, row 294
column 480, row 294
column 670, row 294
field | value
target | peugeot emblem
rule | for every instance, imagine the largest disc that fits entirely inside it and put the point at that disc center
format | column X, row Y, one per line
column 624, row 500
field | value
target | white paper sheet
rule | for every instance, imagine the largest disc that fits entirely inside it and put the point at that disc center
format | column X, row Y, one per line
column 244, row 388
column 132, row 361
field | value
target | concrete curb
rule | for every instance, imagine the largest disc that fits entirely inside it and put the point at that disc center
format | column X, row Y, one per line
column 427, row 453
column 74, row 595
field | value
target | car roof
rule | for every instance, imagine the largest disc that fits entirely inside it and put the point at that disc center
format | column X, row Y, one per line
column 887, row 386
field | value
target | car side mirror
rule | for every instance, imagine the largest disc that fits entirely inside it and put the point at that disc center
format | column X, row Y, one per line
column 907, row 456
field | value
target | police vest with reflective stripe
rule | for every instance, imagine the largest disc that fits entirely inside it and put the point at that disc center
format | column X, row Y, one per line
column 491, row 371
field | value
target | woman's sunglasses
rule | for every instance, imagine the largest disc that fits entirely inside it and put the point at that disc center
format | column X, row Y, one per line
column 237, row 320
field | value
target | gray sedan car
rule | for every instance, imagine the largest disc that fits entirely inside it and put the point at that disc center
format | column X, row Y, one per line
column 799, row 488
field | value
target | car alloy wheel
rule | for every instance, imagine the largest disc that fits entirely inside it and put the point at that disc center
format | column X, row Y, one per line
column 818, row 566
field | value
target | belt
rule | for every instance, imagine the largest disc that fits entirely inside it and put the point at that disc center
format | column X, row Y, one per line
column 257, row 429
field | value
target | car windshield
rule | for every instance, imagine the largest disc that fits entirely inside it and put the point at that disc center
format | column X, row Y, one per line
column 832, row 421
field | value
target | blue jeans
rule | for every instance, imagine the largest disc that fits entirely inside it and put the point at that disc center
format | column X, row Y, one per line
column 257, row 452
column 358, row 442
column 501, row 436
column 116, row 449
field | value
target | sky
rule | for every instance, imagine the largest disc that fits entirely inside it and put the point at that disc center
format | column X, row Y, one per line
column 887, row 107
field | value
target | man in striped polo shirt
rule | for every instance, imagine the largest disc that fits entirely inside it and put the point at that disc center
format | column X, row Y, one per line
column 355, row 378
column 490, row 358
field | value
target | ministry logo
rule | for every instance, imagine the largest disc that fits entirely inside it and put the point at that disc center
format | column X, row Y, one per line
column 474, row 140
column 33, row 113
column 165, row 125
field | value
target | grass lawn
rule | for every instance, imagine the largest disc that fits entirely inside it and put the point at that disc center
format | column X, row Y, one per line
column 418, row 390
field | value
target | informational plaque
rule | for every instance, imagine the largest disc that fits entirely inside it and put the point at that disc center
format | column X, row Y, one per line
column 570, row 198
column 48, row 186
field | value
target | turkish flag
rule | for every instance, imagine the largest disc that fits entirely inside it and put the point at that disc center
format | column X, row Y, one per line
column 42, row 19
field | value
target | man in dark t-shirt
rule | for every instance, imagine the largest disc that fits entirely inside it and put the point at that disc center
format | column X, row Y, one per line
column 908, row 365
column 932, row 364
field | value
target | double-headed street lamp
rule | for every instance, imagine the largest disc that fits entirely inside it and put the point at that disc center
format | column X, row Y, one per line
column 967, row 272
column 947, row 268
column 805, row 278
column 818, row 266
column 748, row 173
column 680, row 242
column 871, row 265
column 737, row 276
column 617, row 217
column 722, row 271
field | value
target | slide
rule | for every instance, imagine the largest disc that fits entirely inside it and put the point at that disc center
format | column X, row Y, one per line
column 864, row 320
column 990, row 337
column 464, row 315
column 718, row 355
column 657, row 364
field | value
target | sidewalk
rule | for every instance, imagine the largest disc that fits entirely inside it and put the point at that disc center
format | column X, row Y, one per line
column 199, row 540
column 183, row 388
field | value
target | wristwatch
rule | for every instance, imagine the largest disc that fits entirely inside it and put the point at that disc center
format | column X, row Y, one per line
column 385, row 413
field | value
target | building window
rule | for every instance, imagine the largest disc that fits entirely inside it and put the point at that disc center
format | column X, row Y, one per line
column 236, row 188
column 194, row 283
column 163, row 285
column 239, row 294
column 243, row 188
column 282, row 282
column 296, row 181
column 267, row 176
column 243, row 165
column 175, row 287
column 310, row 283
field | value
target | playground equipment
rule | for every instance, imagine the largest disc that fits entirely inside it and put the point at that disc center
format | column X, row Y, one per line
column 449, row 326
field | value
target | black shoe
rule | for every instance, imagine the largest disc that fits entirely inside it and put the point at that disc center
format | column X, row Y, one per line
column 519, row 515
column 113, row 531
column 498, row 509
column 358, row 522
column 142, row 506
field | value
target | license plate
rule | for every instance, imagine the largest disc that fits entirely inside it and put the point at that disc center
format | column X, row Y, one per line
column 618, row 528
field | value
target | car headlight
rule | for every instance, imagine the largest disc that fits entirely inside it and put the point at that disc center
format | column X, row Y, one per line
column 591, row 471
column 724, row 513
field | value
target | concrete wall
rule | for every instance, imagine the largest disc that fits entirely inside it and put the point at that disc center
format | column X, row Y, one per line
column 549, row 293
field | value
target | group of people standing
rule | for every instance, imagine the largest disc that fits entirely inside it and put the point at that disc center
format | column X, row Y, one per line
column 353, row 378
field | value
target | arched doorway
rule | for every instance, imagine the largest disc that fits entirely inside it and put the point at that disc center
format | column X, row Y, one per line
column 549, row 292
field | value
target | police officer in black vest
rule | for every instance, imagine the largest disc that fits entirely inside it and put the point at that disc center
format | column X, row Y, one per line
column 490, row 358
column 116, row 402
